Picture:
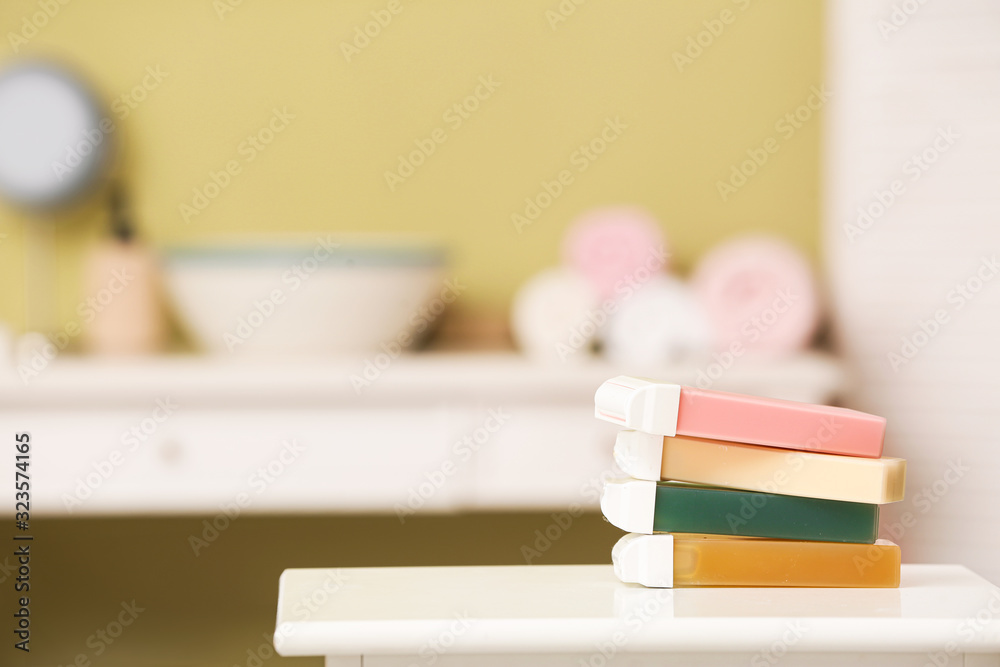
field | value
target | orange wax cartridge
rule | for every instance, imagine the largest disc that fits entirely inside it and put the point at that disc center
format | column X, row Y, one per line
column 680, row 560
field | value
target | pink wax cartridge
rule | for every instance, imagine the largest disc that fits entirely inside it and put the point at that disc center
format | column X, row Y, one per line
column 662, row 408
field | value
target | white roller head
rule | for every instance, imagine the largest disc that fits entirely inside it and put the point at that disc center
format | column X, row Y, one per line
column 645, row 559
column 645, row 405
column 629, row 504
column 639, row 454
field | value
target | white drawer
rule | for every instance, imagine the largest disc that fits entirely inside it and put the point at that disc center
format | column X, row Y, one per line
column 281, row 460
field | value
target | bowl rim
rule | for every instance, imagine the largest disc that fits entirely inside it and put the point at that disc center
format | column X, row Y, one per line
column 326, row 251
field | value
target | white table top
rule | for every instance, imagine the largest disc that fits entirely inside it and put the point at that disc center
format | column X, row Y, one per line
column 571, row 608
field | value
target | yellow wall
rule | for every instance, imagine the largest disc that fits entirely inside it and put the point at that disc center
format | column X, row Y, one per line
column 325, row 171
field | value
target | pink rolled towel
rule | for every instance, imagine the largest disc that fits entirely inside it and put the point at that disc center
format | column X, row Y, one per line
column 612, row 246
column 758, row 292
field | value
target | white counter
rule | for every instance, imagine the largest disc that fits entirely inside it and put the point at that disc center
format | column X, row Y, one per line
column 582, row 615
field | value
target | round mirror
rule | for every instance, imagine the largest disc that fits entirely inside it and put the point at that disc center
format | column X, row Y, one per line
column 54, row 140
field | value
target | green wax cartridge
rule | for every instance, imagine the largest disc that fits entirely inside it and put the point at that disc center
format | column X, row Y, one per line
column 640, row 506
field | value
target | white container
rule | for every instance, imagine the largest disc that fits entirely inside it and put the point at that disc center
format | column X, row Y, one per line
column 308, row 297
column 123, row 315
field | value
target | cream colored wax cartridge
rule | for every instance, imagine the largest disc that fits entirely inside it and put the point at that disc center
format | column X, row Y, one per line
column 756, row 468
column 679, row 560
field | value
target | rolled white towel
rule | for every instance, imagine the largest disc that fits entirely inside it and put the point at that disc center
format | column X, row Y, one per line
column 552, row 316
column 660, row 323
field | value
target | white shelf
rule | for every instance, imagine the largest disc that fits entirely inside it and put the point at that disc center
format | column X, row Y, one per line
column 415, row 377
column 356, row 452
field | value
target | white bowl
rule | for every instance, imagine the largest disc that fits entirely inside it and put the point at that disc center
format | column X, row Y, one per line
column 306, row 298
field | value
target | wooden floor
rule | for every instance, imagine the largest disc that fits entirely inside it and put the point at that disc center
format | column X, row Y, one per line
column 217, row 607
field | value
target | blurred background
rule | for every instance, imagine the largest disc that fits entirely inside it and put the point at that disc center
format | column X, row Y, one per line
column 314, row 284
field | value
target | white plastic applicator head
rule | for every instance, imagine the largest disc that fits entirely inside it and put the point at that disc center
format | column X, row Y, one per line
column 645, row 559
column 629, row 504
column 639, row 454
column 645, row 405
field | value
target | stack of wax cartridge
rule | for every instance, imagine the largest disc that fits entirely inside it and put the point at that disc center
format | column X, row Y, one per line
column 732, row 490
